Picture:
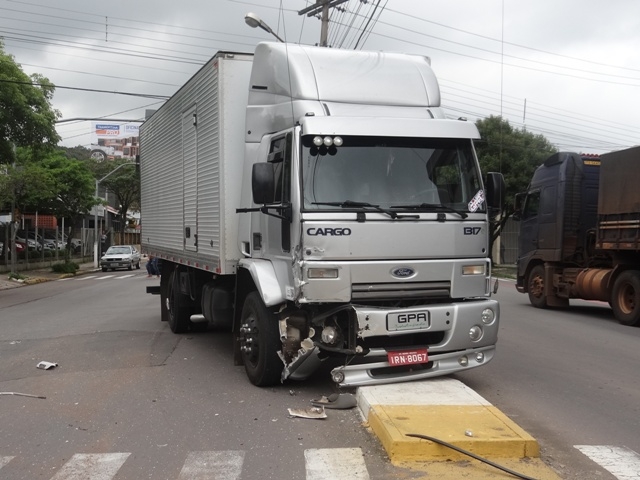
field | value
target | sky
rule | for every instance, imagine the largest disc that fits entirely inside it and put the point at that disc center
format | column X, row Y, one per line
column 565, row 69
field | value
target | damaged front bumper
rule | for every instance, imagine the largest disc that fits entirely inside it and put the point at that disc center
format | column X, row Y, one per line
column 381, row 372
column 457, row 336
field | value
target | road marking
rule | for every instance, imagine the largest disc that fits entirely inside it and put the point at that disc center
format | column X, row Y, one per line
column 63, row 279
column 94, row 466
column 106, row 276
column 126, row 276
column 87, row 277
column 332, row 463
column 621, row 462
column 217, row 465
column 320, row 464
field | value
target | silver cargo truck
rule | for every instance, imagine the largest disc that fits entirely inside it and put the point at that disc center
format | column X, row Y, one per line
column 317, row 202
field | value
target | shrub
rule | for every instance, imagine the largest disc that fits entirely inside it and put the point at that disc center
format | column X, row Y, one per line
column 65, row 267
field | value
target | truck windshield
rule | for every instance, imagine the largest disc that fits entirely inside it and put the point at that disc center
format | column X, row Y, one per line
column 393, row 173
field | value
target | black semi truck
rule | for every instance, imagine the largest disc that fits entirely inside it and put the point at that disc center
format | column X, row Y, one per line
column 580, row 232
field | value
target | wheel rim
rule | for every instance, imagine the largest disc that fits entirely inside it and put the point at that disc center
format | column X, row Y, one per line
column 536, row 286
column 627, row 299
column 248, row 340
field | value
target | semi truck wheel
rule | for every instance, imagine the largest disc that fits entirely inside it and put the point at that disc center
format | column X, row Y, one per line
column 260, row 342
column 535, row 287
column 625, row 298
column 178, row 311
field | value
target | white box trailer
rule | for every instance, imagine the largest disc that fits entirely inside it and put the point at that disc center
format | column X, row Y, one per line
column 319, row 203
column 191, row 168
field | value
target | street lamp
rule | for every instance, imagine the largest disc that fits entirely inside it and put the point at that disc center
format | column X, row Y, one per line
column 95, row 218
column 254, row 21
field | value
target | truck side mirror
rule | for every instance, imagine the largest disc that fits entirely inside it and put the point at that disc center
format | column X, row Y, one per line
column 262, row 183
column 495, row 189
column 518, row 204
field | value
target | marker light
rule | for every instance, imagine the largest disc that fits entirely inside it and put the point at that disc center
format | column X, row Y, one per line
column 337, row 141
column 317, row 141
column 328, row 141
column 473, row 269
column 322, row 273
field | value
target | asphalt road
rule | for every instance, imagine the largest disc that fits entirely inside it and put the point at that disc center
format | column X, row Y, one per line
column 128, row 387
column 569, row 377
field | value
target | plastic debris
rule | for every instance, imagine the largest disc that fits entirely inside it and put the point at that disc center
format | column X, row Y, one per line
column 340, row 401
column 46, row 365
column 468, row 433
column 311, row 412
column 23, row 395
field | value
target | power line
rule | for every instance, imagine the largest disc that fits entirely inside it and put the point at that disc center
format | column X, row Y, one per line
column 94, row 90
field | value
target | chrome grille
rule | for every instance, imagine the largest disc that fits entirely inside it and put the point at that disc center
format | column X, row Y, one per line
column 406, row 290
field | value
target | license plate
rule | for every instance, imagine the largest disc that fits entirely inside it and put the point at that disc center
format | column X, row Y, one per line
column 408, row 357
column 408, row 320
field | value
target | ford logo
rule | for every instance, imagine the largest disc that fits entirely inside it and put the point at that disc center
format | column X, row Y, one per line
column 403, row 272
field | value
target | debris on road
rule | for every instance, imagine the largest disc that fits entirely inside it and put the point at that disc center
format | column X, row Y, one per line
column 341, row 401
column 46, row 365
column 311, row 412
column 23, row 395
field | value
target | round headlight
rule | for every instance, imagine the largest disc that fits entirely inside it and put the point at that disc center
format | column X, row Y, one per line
column 488, row 316
column 329, row 335
column 337, row 141
column 475, row 333
column 317, row 141
column 328, row 141
column 337, row 377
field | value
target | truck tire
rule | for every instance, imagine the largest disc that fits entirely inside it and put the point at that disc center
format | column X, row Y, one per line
column 261, row 343
column 178, row 311
column 625, row 298
column 535, row 287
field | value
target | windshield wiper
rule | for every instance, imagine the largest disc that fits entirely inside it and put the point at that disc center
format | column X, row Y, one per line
column 434, row 206
column 352, row 204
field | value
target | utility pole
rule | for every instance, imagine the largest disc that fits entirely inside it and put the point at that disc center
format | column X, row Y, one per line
column 322, row 6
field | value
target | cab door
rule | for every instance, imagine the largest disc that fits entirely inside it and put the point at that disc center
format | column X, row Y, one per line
column 529, row 225
column 277, row 227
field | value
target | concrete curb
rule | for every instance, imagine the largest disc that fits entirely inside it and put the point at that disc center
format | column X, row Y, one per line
column 449, row 411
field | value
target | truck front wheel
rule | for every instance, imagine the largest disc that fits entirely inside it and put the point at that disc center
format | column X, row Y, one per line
column 535, row 287
column 260, row 342
column 625, row 299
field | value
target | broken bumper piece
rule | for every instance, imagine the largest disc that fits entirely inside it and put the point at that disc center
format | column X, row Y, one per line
column 380, row 372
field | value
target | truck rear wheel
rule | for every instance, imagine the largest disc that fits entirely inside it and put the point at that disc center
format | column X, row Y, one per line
column 625, row 299
column 260, row 342
column 177, row 309
column 535, row 287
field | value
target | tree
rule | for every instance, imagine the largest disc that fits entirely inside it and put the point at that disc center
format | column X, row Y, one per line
column 124, row 184
column 73, row 187
column 77, row 153
column 27, row 118
column 515, row 153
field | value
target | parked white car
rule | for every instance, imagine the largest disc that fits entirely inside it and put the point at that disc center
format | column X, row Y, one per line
column 120, row 256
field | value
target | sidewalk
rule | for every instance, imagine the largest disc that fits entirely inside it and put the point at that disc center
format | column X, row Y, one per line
column 32, row 277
